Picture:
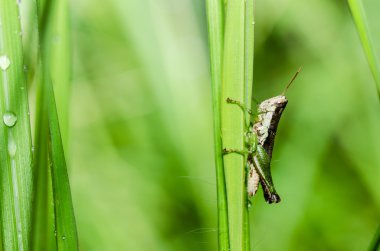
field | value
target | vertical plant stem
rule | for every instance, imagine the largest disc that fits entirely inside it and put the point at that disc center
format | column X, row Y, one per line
column 249, row 52
column 234, row 123
column 358, row 14
column 15, row 137
column 215, row 14
column 249, row 56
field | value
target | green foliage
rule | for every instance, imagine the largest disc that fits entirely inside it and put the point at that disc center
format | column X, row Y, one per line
column 36, row 208
column 140, row 145
column 53, row 194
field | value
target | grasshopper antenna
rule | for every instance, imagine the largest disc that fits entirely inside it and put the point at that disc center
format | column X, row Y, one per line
column 291, row 81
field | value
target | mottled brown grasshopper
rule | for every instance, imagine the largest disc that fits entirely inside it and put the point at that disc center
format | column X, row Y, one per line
column 260, row 141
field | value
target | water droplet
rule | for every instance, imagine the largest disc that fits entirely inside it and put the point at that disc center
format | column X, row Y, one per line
column 4, row 62
column 55, row 232
column 249, row 204
column 63, row 237
column 12, row 147
column 9, row 119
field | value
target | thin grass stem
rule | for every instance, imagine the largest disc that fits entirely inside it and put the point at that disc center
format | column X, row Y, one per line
column 359, row 16
column 215, row 15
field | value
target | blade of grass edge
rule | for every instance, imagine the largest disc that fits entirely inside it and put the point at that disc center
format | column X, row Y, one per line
column 375, row 244
column 249, row 58
column 358, row 14
column 215, row 15
column 15, row 137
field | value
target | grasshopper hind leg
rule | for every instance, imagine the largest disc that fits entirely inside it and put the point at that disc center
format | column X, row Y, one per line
column 262, row 164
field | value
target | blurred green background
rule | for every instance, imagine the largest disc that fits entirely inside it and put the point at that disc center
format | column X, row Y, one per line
column 140, row 146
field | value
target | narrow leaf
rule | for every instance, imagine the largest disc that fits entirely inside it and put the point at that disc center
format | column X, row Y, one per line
column 50, row 159
column 215, row 16
column 233, row 122
column 15, row 137
column 358, row 13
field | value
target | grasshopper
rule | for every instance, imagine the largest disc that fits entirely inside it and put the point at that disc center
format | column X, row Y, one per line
column 259, row 140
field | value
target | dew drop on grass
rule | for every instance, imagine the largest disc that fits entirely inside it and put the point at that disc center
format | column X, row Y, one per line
column 4, row 62
column 9, row 119
column 63, row 237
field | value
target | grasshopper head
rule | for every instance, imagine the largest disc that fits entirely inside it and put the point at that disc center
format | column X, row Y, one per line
column 272, row 104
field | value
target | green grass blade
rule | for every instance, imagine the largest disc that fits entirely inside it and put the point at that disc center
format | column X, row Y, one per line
column 249, row 51
column 61, row 72
column 44, row 229
column 358, row 14
column 15, row 139
column 375, row 244
column 249, row 56
column 233, row 122
column 64, row 213
column 54, row 189
column 215, row 16
column 43, row 217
